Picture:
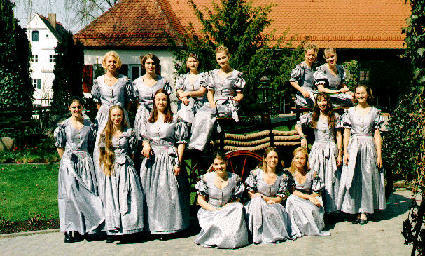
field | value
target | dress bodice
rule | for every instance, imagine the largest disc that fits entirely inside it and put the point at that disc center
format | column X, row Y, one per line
column 166, row 134
column 362, row 124
column 219, row 197
column 322, row 132
column 303, row 74
column 124, row 144
column 225, row 87
column 145, row 94
column 183, row 83
column 73, row 139
column 118, row 94
column 255, row 182
column 311, row 183
column 324, row 76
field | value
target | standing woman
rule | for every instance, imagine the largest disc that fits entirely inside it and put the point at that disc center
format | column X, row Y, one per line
column 225, row 86
column 304, row 206
column 193, row 106
column 221, row 216
column 325, row 155
column 145, row 88
column 122, row 192
column 80, row 208
column 362, row 183
column 302, row 78
column 163, row 181
column 330, row 78
column 267, row 187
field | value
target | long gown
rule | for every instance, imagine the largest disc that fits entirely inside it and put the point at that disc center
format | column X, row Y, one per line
column 267, row 223
column 225, row 88
column 322, row 157
column 122, row 193
column 303, row 75
column 306, row 218
column 362, row 187
column 145, row 96
column 324, row 76
column 167, row 194
column 80, row 208
column 226, row 227
column 197, row 113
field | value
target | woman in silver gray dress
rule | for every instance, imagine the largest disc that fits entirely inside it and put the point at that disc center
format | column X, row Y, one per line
column 144, row 90
column 302, row 78
column 325, row 155
column 221, row 216
column 225, row 86
column 330, row 78
column 163, row 181
column 122, row 193
column 267, row 187
column 193, row 107
column 362, row 183
column 305, row 206
column 80, row 208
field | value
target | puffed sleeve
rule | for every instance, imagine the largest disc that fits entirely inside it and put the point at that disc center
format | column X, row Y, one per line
column 342, row 73
column 317, row 185
column 284, row 184
column 338, row 121
column 305, row 120
column 296, row 74
column 201, row 187
column 95, row 91
column 251, row 181
column 181, row 132
column 129, row 91
column 210, row 80
column 60, row 136
column 379, row 120
column 203, row 81
column 240, row 82
column 92, row 137
column 346, row 120
column 320, row 76
column 101, row 142
column 180, row 83
column 167, row 87
column 132, row 142
column 238, row 189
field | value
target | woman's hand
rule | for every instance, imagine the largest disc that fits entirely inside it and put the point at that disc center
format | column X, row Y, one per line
column 344, row 89
column 177, row 170
column 315, row 201
column 339, row 160
column 185, row 100
column 238, row 97
column 305, row 93
column 346, row 157
column 213, row 105
column 379, row 161
column 184, row 94
column 146, row 151
column 304, row 142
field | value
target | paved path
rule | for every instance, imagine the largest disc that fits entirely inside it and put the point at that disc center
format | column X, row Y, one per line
column 380, row 237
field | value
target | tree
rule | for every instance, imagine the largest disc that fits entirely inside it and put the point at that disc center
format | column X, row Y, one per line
column 16, row 88
column 68, row 73
column 240, row 27
column 88, row 10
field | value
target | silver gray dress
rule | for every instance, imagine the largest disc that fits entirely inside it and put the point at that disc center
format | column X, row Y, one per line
column 303, row 75
column 362, row 187
column 167, row 195
column 324, row 76
column 267, row 223
column 198, row 113
column 306, row 218
column 145, row 95
column 123, row 197
column 225, row 227
column 322, row 157
column 80, row 208
column 225, row 88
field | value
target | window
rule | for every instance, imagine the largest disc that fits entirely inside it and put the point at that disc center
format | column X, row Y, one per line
column 36, row 83
column 35, row 35
column 135, row 72
column 364, row 75
column 34, row 58
column 52, row 58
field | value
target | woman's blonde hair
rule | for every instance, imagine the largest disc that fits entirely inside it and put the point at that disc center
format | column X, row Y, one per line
column 311, row 46
column 296, row 151
column 222, row 48
column 328, row 51
column 107, row 155
column 113, row 54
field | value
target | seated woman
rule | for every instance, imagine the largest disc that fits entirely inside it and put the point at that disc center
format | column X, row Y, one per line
column 122, row 193
column 304, row 206
column 329, row 78
column 267, row 187
column 80, row 208
column 221, row 217
column 193, row 106
column 302, row 78
column 225, row 86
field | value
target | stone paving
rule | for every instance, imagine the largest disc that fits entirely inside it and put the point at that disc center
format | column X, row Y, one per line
column 379, row 237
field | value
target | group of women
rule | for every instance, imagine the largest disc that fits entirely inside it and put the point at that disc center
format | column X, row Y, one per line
column 102, row 190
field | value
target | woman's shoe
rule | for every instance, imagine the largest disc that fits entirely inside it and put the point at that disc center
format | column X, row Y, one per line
column 68, row 238
column 363, row 222
column 109, row 239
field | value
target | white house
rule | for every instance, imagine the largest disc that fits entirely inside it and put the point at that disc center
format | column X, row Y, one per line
column 43, row 34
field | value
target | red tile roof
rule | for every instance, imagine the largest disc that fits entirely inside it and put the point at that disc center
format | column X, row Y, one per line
column 132, row 23
column 328, row 23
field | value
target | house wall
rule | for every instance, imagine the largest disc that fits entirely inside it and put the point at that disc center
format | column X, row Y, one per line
column 43, row 68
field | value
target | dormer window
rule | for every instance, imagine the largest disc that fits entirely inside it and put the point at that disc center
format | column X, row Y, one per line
column 35, row 36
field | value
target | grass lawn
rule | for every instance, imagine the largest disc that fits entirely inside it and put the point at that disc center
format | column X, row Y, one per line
column 28, row 190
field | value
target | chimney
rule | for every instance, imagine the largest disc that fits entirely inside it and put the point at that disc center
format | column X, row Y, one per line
column 52, row 19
